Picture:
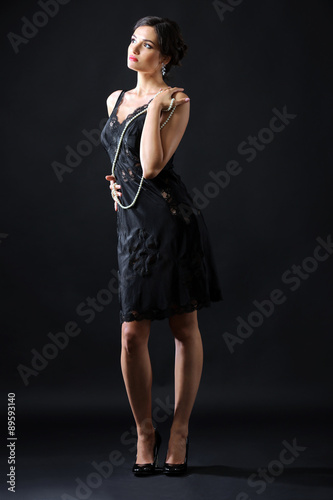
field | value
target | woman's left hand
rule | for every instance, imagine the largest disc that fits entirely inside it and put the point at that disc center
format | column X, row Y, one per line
column 116, row 187
column 164, row 98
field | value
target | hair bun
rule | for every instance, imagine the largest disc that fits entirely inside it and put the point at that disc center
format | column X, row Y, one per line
column 170, row 39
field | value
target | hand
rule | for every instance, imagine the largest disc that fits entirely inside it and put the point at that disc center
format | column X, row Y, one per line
column 112, row 180
column 163, row 99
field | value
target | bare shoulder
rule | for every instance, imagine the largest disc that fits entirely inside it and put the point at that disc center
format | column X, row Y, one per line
column 180, row 96
column 183, row 109
column 111, row 101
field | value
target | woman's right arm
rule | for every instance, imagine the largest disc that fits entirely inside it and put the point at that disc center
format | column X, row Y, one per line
column 110, row 103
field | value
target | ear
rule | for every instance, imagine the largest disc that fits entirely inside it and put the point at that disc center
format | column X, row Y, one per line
column 166, row 60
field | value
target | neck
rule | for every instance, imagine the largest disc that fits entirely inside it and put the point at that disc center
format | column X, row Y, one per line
column 148, row 83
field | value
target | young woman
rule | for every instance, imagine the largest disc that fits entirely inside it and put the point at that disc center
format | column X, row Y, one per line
column 165, row 260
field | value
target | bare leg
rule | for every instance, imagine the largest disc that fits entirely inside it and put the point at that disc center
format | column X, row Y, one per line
column 137, row 374
column 188, row 369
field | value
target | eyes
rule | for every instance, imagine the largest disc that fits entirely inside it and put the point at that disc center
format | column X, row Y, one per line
column 145, row 44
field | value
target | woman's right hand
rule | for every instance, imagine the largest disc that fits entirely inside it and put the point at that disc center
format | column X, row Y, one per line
column 112, row 180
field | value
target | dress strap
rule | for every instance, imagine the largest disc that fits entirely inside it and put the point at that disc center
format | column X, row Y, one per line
column 118, row 100
column 115, row 107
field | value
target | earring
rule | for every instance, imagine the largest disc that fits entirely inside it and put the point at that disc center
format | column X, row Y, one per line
column 163, row 69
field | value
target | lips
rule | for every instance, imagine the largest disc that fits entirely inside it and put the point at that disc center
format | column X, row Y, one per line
column 132, row 58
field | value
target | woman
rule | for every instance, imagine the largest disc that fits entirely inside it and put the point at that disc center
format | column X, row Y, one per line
column 166, row 266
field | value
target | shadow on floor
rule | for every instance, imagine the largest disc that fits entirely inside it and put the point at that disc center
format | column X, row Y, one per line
column 315, row 476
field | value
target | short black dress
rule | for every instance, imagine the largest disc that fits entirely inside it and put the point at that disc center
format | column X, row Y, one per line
column 165, row 261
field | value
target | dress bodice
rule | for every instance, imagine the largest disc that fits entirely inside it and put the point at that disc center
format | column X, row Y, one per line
column 129, row 154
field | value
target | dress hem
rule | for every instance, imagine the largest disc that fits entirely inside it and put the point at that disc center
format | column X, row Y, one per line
column 166, row 313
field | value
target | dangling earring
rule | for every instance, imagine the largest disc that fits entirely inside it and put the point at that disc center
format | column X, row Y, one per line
column 163, row 69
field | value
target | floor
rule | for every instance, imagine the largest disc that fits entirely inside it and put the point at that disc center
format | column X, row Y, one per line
column 234, row 458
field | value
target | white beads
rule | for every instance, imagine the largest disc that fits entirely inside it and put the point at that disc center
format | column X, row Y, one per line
column 171, row 104
column 113, row 191
column 114, row 195
column 170, row 115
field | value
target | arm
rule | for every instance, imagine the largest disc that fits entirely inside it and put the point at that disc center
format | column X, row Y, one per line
column 158, row 145
column 110, row 102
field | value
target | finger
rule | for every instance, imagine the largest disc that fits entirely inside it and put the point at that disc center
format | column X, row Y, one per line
column 181, row 101
column 110, row 178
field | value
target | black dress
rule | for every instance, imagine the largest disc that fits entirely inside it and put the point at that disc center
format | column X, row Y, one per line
column 165, row 260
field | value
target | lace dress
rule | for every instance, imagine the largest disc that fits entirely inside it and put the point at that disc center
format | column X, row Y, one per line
column 165, row 260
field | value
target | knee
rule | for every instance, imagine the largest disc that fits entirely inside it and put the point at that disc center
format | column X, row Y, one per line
column 133, row 337
column 182, row 333
column 184, row 326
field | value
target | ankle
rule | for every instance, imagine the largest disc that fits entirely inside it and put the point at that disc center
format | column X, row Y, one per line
column 146, row 432
column 179, row 431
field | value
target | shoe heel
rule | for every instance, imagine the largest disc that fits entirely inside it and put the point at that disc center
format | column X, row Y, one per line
column 146, row 469
column 177, row 469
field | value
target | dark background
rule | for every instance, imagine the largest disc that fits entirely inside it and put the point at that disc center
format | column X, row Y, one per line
column 58, row 239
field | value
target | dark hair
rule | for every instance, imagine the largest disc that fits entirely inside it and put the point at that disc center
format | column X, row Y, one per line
column 169, row 37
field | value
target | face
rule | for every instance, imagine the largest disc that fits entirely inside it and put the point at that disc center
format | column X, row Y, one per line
column 143, row 51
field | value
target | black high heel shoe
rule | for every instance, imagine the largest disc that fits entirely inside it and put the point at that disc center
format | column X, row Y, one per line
column 146, row 469
column 176, row 469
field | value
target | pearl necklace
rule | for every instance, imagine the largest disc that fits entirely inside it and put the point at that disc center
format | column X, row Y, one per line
column 113, row 191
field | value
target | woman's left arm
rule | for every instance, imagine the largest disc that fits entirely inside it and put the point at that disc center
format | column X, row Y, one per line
column 158, row 145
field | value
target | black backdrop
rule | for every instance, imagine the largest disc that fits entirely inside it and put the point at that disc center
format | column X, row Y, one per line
column 268, row 208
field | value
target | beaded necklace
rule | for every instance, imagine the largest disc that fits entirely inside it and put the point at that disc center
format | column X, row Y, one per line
column 113, row 191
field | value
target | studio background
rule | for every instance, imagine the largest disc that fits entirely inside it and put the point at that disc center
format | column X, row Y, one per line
column 245, row 65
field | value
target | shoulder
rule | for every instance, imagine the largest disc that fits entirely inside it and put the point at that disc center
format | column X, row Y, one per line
column 182, row 111
column 180, row 95
column 111, row 100
column 185, row 107
column 179, row 120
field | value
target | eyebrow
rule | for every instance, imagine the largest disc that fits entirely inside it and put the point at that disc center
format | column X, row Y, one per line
column 145, row 39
